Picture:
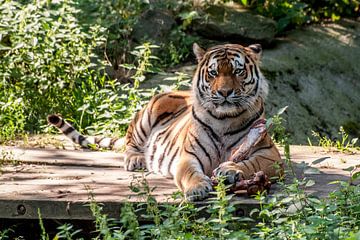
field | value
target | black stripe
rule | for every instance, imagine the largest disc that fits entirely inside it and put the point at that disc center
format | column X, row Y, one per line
column 62, row 123
column 155, row 146
column 196, row 157
column 256, row 72
column 136, row 147
column 191, row 174
column 170, row 130
column 200, row 78
column 245, row 164
column 160, row 160
column 142, row 128
column 177, row 96
column 155, row 99
column 176, row 114
column 161, row 117
column 138, row 135
column 98, row 139
column 69, row 130
column 81, row 139
column 168, row 145
column 137, row 138
column 231, row 54
column 112, row 142
column 257, row 161
column 248, row 124
column 256, row 88
column 151, row 160
column 252, row 164
column 202, row 148
column 208, row 128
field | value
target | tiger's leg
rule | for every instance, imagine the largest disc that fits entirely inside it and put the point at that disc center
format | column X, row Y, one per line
column 136, row 139
column 191, row 179
column 264, row 158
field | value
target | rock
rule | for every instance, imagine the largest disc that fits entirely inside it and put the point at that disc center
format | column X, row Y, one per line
column 154, row 25
column 316, row 72
column 229, row 24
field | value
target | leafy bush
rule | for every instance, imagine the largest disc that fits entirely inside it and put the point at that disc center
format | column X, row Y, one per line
column 290, row 13
column 49, row 64
column 45, row 60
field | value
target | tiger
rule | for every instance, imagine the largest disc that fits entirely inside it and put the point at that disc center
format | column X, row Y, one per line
column 189, row 135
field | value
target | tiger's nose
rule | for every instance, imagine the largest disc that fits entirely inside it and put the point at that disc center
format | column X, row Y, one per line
column 225, row 92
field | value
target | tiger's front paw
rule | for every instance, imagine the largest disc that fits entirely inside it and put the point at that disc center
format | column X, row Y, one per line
column 198, row 190
column 230, row 171
column 135, row 162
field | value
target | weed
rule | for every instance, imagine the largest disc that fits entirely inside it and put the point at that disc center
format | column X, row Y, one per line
column 276, row 126
column 67, row 232
column 343, row 144
column 8, row 157
column 291, row 13
column 4, row 233
column 44, row 235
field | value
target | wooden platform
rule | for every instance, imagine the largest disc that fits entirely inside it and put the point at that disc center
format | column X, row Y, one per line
column 60, row 182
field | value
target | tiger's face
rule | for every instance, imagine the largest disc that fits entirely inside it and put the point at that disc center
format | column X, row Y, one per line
column 228, row 79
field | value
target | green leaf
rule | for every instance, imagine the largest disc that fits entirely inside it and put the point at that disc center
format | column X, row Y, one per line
column 282, row 110
column 355, row 176
column 3, row 47
column 244, row 2
column 311, row 170
column 349, row 169
column 310, row 183
column 317, row 161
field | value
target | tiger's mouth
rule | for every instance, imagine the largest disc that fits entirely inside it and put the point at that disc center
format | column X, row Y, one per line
column 224, row 103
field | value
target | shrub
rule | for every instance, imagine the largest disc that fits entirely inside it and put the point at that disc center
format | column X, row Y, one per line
column 45, row 60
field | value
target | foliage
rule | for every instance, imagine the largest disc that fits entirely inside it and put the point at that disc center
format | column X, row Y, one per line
column 45, row 62
column 118, row 18
column 343, row 143
column 275, row 125
column 51, row 55
column 290, row 13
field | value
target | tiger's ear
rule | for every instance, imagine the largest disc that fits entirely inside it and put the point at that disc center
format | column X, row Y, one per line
column 256, row 50
column 198, row 51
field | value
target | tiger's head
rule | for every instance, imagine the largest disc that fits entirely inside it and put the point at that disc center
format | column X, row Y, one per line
column 228, row 79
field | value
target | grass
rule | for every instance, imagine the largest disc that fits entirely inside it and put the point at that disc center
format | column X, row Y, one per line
column 343, row 143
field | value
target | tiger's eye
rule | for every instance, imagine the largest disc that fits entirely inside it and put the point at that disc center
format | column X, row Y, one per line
column 239, row 71
column 213, row 73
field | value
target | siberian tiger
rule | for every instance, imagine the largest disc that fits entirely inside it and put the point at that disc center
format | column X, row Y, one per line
column 188, row 135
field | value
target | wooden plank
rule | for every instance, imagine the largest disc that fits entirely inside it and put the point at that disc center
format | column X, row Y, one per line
column 60, row 182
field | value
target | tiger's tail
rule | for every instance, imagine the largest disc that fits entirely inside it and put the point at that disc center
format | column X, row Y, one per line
column 85, row 141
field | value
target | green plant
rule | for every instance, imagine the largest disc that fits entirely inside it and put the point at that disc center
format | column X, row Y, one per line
column 4, row 233
column 45, row 55
column 275, row 125
column 44, row 235
column 67, row 232
column 292, row 13
column 343, row 143
column 7, row 157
